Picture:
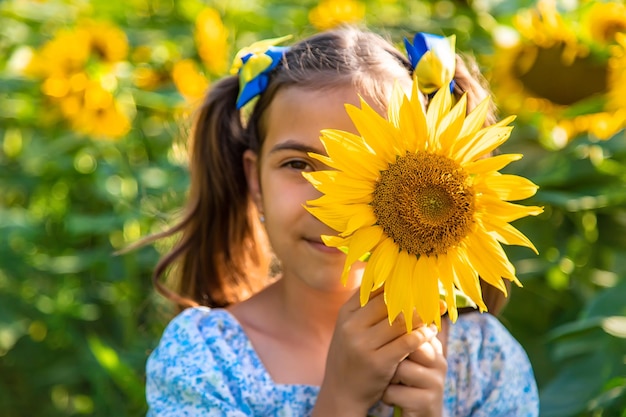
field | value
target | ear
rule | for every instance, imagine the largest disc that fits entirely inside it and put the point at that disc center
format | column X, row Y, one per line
column 251, row 169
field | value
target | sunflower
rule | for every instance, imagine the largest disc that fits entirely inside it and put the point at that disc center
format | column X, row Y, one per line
column 212, row 40
column 189, row 79
column 420, row 194
column 108, row 42
column 555, row 70
column 331, row 13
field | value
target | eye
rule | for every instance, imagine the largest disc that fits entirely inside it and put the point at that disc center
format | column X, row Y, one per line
column 298, row 165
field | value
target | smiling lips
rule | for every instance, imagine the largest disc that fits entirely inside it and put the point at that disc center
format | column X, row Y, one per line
column 320, row 246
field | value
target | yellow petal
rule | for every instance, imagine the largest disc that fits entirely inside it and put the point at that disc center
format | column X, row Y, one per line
column 348, row 153
column 367, row 281
column 485, row 141
column 438, row 107
column 494, row 163
column 408, row 127
column 363, row 216
column 426, row 290
column 485, row 269
column 506, row 187
column 451, row 124
column 487, row 205
column 476, row 119
column 336, row 183
column 398, row 295
column 446, row 277
column 361, row 242
column 375, row 130
column 494, row 250
column 335, row 241
column 489, row 259
column 395, row 104
column 506, row 233
column 413, row 121
column 384, row 259
column 328, row 199
column 344, row 218
column 466, row 277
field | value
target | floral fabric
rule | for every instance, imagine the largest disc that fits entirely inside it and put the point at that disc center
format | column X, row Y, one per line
column 206, row 366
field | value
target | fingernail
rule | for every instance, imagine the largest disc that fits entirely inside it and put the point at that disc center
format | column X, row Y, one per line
column 433, row 328
column 429, row 332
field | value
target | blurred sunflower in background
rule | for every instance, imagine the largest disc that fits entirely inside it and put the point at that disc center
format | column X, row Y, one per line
column 331, row 13
column 211, row 36
column 81, row 69
column 212, row 46
column 564, row 70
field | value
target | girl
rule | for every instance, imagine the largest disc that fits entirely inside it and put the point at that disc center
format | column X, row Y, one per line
column 295, row 342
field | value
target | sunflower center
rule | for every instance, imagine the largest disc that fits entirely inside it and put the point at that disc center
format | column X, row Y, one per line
column 425, row 203
column 433, row 205
column 581, row 79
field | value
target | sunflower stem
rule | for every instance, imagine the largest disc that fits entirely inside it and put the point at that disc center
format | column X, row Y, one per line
column 397, row 411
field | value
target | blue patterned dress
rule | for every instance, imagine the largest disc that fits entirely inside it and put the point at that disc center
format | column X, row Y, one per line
column 205, row 365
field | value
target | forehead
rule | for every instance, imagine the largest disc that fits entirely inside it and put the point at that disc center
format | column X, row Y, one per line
column 298, row 113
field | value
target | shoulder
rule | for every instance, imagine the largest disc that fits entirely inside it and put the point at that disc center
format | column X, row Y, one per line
column 483, row 342
column 205, row 365
column 488, row 369
column 196, row 356
column 483, row 334
column 197, row 337
column 193, row 328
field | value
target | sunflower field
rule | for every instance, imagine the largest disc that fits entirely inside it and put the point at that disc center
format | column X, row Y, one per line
column 95, row 99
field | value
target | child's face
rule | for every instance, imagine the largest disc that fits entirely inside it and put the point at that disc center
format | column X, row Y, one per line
column 292, row 125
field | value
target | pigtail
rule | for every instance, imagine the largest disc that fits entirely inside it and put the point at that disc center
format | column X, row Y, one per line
column 220, row 257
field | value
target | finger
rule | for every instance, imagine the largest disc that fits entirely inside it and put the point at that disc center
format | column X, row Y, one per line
column 409, row 398
column 430, row 355
column 436, row 342
column 424, row 355
column 412, row 374
column 371, row 313
column 353, row 302
column 396, row 395
column 412, row 401
column 399, row 348
column 383, row 332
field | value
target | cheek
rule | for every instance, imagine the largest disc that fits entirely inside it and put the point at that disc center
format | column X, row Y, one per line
column 284, row 200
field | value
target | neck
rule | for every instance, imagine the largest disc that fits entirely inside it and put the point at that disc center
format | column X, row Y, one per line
column 310, row 310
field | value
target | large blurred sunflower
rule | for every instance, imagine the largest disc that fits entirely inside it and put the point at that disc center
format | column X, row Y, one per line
column 560, row 71
column 421, row 194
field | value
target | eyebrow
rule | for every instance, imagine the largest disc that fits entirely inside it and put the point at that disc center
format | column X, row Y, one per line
column 292, row 145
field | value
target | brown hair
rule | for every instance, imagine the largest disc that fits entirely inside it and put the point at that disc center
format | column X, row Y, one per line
column 222, row 255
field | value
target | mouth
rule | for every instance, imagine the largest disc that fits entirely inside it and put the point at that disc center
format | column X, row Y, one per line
column 317, row 244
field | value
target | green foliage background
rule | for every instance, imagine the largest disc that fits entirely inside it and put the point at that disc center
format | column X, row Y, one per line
column 77, row 321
